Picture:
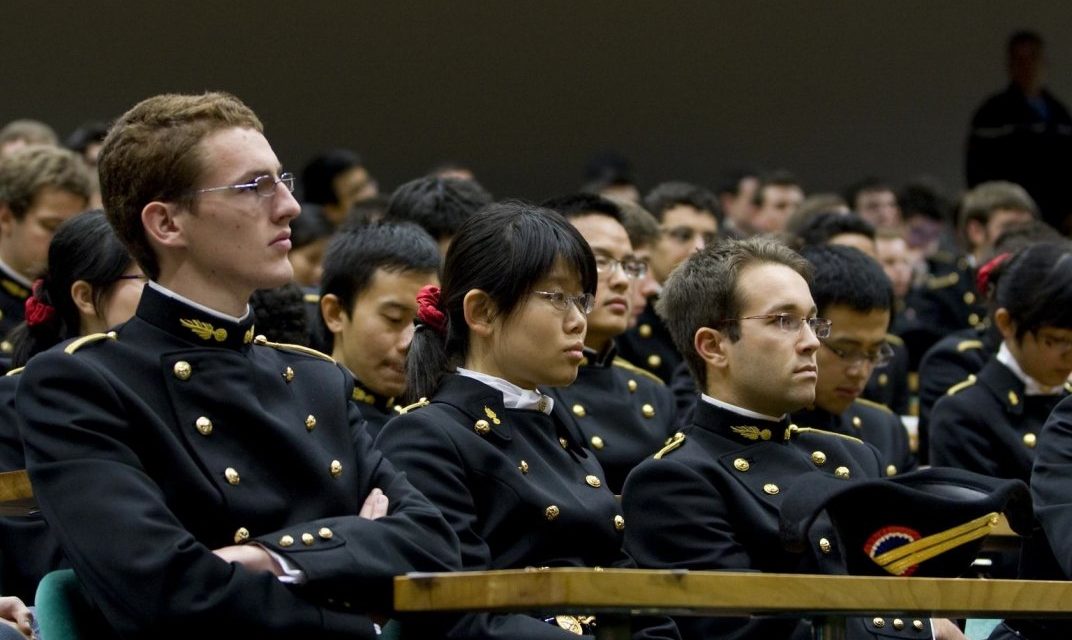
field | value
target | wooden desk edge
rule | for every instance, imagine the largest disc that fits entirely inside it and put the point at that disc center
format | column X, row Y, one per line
column 725, row 593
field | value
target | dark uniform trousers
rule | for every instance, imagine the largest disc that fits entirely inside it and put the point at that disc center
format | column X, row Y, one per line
column 873, row 423
column 648, row 345
column 624, row 413
column 375, row 409
column 987, row 425
column 710, row 500
column 180, row 433
column 1047, row 553
column 28, row 550
column 950, row 361
column 518, row 487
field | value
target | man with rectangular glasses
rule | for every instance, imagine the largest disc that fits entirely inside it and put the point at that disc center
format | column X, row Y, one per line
column 852, row 291
column 202, row 481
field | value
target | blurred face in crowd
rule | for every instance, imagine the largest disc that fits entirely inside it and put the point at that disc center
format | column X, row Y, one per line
column 351, row 186
column 779, row 202
column 684, row 229
column 24, row 242
column 893, row 256
column 982, row 236
column 738, row 208
column 879, row 207
column 645, row 287
column 373, row 338
column 614, row 254
column 846, row 358
column 307, row 262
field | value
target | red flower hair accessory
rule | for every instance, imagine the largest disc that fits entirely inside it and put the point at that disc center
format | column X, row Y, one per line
column 982, row 278
column 428, row 311
column 38, row 312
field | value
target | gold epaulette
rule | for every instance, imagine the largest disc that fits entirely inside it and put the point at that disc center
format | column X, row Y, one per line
column 296, row 348
column 962, row 385
column 874, row 405
column 423, row 402
column 311, row 298
column 892, row 339
column 794, row 430
column 632, row 368
column 941, row 282
column 90, row 339
column 17, row 370
column 964, row 345
column 673, row 442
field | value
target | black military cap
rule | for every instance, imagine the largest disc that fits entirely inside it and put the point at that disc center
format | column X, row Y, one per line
column 926, row 523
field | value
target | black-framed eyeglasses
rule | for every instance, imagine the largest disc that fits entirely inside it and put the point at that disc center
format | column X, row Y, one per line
column 632, row 268
column 853, row 357
column 562, row 301
column 792, row 323
column 263, row 186
column 685, row 235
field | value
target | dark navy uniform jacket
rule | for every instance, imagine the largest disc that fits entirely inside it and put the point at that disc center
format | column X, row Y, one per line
column 13, row 294
column 180, row 433
column 988, row 425
column 624, row 413
column 28, row 550
column 873, row 423
column 889, row 385
column 375, row 409
column 1047, row 554
column 945, row 303
column 950, row 361
column 649, row 345
column 519, row 488
column 710, row 500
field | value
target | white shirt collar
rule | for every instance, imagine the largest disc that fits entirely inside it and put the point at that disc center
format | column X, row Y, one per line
column 197, row 305
column 514, row 397
column 15, row 275
column 1032, row 387
column 739, row 410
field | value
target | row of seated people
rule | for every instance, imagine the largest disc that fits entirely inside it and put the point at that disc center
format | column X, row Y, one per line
column 200, row 478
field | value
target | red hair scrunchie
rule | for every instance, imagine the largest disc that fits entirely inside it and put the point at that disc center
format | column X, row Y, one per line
column 982, row 278
column 38, row 312
column 428, row 311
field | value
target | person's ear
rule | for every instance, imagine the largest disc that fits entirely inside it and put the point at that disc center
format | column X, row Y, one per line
column 82, row 296
column 480, row 313
column 335, row 317
column 7, row 220
column 1005, row 324
column 161, row 224
column 710, row 344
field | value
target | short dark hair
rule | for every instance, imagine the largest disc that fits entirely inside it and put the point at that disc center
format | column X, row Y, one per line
column 318, row 176
column 778, row 178
column 310, row 226
column 668, row 195
column 279, row 314
column 24, row 173
column 982, row 201
column 86, row 134
column 822, row 227
column 846, row 276
column 439, row 205
column 1035, row 286
column 355, row 253
column 83, row 248
column 581, row 204
column 924, row 197
column 730, row 180
column 702, row 291
column 641, row 226
column 870, row 184
column 504, row 250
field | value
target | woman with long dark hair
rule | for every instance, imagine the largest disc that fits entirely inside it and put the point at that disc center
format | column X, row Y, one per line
column 483, row 441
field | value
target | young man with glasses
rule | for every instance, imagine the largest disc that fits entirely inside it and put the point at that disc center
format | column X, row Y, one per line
column 201, row 480
column 688, row 218
column 851, row 290
column 625, row 413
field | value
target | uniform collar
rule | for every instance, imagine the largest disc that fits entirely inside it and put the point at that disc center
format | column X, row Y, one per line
column 604, row 359
column 364, row 395
column 1031, row 387
column 13, row 282
column 736, row 423
column 514, row 397
column 193, row 322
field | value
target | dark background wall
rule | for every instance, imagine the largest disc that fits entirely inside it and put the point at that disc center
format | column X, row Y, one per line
column 524, row 92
